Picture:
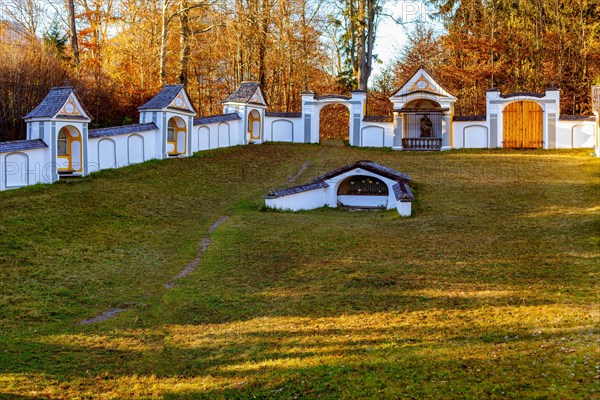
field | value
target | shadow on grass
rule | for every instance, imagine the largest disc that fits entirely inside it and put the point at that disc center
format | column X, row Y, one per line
column 260, row 359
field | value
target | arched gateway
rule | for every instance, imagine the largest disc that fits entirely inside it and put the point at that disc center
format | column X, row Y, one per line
column 312, row 105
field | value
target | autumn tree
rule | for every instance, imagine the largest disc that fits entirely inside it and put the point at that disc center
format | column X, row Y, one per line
column 356, row 22
column 522, row 45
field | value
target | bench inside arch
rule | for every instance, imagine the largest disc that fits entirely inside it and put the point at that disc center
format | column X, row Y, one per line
column 362, row 184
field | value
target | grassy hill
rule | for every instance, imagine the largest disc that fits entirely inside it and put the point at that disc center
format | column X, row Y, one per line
column 490, row 290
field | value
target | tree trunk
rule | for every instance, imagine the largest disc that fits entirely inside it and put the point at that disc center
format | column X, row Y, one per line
column 264, row 18
column 370, row 34
column 361, row 51
column 163, row 42
column 239, row 54
column 73, row 28
column 184, row 41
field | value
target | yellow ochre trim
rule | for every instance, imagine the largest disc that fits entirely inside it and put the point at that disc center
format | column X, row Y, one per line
column 251, row 120
column 69, row 156
column 176, row 131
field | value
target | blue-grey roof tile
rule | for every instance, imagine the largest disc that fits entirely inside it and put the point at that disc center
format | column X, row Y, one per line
column 577, row 118
column 164, row 98
column 283, row 114
column 244, row 94
column 378, row 118
column 401, row 188
column 465, row 118
column 51, row 105
column 523, row 94
column 296, row 190
column 367, row 166
column 72, row 117
column 122, row 130
column 402, row 192
column 22, row 145
column 213, row 119
column 332, row 96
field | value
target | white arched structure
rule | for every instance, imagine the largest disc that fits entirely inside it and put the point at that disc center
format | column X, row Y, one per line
column 313, row 104
column 107, row 154
column 204, row 138
column 497, row 103
column 422, row 97
column 282, row 130
column 69, row 150
column 16, row 170
column 224, row 136
column 475, row 136
column 362, row 184
column 135, row 149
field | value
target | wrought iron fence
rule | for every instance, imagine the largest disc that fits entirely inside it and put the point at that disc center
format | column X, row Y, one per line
column 425, row 124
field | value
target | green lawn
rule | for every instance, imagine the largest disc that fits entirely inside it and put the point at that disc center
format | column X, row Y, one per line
column 490, row 290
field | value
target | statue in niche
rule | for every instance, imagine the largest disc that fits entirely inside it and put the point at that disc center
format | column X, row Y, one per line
column 426, row 126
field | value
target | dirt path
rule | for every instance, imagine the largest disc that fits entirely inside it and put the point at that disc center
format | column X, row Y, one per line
column 303, row 168
column 191, row 267
column 113, row 312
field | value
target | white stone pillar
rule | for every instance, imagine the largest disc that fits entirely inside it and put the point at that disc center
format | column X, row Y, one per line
column 398, row 131
column 446, row 145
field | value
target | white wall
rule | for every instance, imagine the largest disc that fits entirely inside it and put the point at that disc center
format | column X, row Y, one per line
column 203, row 134
column 279, row 129
column 217, row 135
column 122, row 150
column 136, row 149
column 334, row 183
column 329, row 196
column 376, row 134
column 300, row 201
column 363, row 201
column 575, row 134
column 470, row 134
column 404, row 208
column 23, row 168
column 107, row 153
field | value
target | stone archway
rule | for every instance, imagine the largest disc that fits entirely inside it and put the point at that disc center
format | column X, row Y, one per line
column 312, row 105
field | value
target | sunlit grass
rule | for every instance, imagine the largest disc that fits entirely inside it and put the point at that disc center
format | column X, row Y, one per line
column 490, row 290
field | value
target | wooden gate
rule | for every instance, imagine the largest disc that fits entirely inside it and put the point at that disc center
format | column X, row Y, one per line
column 523, row 125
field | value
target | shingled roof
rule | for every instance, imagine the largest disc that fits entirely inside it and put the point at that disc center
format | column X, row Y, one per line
column 164, row 98
column 213, row 119
column 52, row 104
column 427, row 72
column 401, row 189
column 244, row 94
column 22, row 145
column 367, row 166
column 378, row 118
column 577, row 118
column 523, row 94
column 402, row 192
column 465, row 118
column 273, row 114
column 296, row 189
column 332, row 97
column 122, row 130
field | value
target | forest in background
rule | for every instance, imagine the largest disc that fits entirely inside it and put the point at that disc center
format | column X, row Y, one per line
column 118, row 53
